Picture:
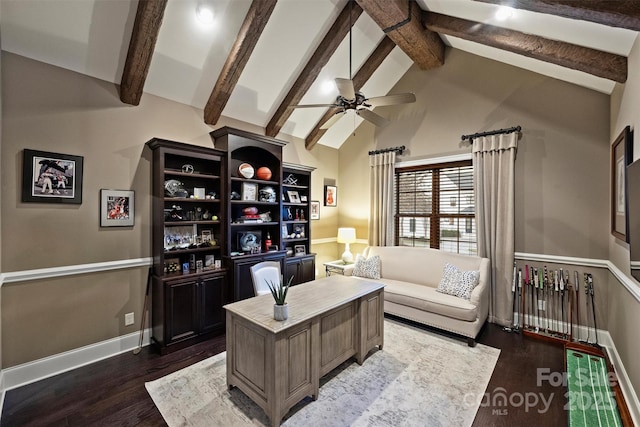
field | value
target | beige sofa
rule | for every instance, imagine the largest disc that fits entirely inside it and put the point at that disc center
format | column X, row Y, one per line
column 411, row 276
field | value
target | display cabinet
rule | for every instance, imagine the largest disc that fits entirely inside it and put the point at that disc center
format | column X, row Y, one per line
column 188, row 241
column 296, row 225
column 254, row 208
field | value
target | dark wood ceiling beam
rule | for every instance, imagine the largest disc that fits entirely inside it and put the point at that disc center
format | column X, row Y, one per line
column 319, row 59
column 614, row 13
column 250, row 31
column 365, row 72
column 143, row 41
column 595, row 62
column 424, row 47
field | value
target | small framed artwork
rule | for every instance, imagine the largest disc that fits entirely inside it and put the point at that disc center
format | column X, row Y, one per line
column 249, row 191
column 51, row 177
column 299, row 250
column 209, row 262
column 117, row 208
column 294, row 197
column 330, row 195
column 315, row 209
column 303, row 198
column 621, row 156
column 206, row 236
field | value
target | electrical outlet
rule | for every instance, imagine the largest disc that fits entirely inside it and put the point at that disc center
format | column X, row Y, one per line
column 542, row 305
column 128, row 319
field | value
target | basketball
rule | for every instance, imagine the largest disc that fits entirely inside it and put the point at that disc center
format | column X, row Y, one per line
column 263, row 173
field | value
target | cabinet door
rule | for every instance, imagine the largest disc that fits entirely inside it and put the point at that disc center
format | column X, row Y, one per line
column 181, row 309
column 307, row 269
column 291, row 268
column 211, row 301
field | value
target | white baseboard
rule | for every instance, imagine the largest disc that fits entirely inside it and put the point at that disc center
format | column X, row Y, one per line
column 30, row 372
column 630, row 396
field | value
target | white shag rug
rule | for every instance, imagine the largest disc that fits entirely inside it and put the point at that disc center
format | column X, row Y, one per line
column 419, row 378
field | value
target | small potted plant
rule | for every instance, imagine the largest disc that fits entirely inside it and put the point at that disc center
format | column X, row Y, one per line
column 279, row 292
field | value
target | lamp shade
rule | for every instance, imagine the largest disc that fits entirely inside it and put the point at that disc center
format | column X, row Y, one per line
column 346, row 235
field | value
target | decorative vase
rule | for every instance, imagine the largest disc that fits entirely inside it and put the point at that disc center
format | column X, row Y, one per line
column 281, row 312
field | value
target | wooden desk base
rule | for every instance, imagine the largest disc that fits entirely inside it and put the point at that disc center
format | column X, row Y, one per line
column 277, row 369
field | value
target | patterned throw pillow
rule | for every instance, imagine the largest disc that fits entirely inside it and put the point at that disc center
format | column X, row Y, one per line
column 367, row 267
column 458, row 283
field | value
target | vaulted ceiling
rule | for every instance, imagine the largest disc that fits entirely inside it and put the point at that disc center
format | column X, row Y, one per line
column 260, row 57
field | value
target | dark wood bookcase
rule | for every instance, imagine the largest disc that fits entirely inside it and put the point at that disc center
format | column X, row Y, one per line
column 296, row 223
column 188, row 237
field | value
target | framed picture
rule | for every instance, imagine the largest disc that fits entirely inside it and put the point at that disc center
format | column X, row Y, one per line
column 51, row 177
column 299, row 250
column 315, row 209
column 330, row 195
column 293, row 196
column 249, row 191
column 206, row 236
column 250, row 241
column 117, row 208
column 303, row 198
column 621, row 156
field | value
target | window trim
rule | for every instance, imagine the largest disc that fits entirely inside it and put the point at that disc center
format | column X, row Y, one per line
column 457, row 160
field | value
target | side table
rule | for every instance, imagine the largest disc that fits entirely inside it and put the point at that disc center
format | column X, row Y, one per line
column 338, row 267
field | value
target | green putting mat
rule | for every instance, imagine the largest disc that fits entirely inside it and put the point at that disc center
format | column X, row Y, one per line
column 591, row 402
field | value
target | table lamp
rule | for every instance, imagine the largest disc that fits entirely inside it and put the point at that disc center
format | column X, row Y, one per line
column 346, row 235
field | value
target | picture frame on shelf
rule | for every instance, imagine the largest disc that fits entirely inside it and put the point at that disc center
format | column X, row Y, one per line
column 315, row 209
column 299, row 250
column 209, row 262
column 294, row 197
column 621, row 156
column 330, row 195
column 206, row 235
column 51, row 177
column 303, row 198
column 249, row 191
column 117, row 208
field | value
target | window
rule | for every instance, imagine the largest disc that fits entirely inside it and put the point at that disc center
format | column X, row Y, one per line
column 435, row 207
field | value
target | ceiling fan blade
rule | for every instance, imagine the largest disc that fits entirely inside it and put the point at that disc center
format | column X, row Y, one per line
column 400, row 98
column 312, row 105
column 337, row 116
column 346, row 89
column 372, row 117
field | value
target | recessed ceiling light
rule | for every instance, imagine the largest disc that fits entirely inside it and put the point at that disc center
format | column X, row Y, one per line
column 503, row 13
column 329, row 86
column 204, row 13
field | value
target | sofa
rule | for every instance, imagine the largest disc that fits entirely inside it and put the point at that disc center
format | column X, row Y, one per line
column 411, row 276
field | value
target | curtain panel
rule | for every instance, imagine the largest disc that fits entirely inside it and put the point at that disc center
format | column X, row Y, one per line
column 381, row 194
column 494, row 168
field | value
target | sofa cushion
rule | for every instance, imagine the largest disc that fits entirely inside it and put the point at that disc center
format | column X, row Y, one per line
column 367, row 267
column 457, row 282
column 427, row 299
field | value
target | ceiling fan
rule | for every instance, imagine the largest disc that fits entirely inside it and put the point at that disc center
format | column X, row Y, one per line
column 350, row 99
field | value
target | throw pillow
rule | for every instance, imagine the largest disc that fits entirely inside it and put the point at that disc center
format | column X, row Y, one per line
column 367, row 267
column 458, row 283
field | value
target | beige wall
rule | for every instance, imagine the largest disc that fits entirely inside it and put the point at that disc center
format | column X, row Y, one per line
column 52, row 109
column 624, row 315
column 561, row 172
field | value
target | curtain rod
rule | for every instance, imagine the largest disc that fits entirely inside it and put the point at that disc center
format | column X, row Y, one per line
column 386, row 150
column 491, row 132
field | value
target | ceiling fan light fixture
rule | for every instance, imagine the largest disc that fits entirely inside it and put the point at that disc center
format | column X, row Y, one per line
column 204, row 13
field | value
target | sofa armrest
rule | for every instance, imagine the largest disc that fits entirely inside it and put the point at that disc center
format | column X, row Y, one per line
column 348, row 269
column 480, row 294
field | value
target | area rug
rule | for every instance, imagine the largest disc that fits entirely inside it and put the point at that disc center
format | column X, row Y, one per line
column 419, row 378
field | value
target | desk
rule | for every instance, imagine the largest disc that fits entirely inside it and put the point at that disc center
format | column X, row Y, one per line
column 337, row 267
column 279, row 363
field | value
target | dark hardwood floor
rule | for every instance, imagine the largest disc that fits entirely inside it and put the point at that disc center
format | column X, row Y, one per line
column 112, row 392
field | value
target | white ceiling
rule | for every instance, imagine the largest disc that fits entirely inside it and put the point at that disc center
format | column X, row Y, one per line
column 92, row 36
